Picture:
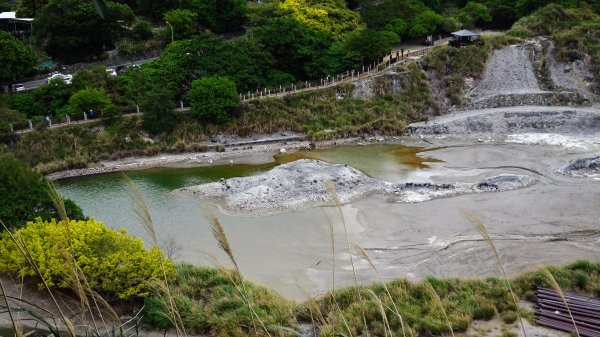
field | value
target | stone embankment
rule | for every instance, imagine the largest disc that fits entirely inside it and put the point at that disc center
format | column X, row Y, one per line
column 514, row 119
column 308, row 183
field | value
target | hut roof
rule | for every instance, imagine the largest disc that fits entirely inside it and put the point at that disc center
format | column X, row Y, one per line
column 464, row 32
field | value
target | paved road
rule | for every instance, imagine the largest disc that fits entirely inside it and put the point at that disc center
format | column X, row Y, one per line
column 36, row 83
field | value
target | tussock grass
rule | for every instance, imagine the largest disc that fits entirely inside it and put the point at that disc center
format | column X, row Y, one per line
column 488, row 239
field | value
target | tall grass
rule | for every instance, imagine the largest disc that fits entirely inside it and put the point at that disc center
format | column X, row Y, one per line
column 223, row 242
column 546, row 272
column 480, row 226
column 143, row 213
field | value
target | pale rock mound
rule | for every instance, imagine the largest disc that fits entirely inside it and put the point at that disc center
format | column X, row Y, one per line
column 308, row 183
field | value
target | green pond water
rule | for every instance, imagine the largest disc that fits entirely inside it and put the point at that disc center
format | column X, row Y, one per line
column 181, row 220
column 291, row 251
column 106, row 197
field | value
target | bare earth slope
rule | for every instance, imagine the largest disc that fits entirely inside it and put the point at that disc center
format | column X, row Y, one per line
column 509, row 99
column 508, row 71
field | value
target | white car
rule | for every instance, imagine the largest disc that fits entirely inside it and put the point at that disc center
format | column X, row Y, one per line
column 19, row 87
column 111, row 72
column 66, row 78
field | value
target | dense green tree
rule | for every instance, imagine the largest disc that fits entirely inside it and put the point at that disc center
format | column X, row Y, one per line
column 245, row 61
column 29, row 8
column 27, row 103
column 25, row 196
column 213, row 98
column 141, row 31
column 472, row 13
column 295, row 47
column 424, row 23
column 8, row 117
column 89, row 99
column 71, row 30
column 365, row 46
column 155, row 9
column 5, row 6
column 181, row 23
column 220, row 16
column 158, row 109
column 16, row 59
column 331, row 16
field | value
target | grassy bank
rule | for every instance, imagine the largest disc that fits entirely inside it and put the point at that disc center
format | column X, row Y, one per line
column 209, row 301
column 321, row 114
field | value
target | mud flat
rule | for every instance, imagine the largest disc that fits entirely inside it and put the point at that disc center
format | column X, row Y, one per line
column 311, row 183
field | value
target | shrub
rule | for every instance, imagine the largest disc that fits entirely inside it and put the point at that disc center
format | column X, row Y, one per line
column 484, row 311
column 213, row 98
column 112, row 262
column 509, row 317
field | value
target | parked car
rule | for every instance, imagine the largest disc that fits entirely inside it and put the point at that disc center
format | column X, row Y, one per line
column 66, row 78
column 111, row 72
column 19, row 87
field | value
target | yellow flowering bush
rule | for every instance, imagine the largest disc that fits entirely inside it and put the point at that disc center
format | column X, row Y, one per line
column 112, row 262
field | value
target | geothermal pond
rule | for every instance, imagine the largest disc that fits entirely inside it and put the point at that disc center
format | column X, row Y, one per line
column 555, row 220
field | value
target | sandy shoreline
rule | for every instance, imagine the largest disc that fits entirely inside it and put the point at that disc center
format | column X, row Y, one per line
column 233, row 152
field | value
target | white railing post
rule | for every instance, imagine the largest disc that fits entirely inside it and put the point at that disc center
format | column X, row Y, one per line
column 12, row 130
column 69, row 119
column 84, row 117
column 181, row 104
column 30, row 125
column 137, row 108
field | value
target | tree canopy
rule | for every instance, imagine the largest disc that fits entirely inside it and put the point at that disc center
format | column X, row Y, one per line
column 213, row 98
column 71, row 30
column 24, row 195
column 16, row 58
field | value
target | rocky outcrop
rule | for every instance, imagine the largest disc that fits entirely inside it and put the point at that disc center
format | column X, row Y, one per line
column 390, row 82
column 585, row 167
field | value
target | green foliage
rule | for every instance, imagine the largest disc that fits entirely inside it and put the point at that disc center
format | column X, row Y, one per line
column 141, row 31
column 245, row 61
column 158, row 108
column 581, row 276
column 297, row 48
column 472, row 13
column 210, row 301
column 70, row 30
column 424, row 23
column 113, row 263
column 27, row 103
column 16, row 58
column 24, row 195
column 8, row 117
column 220, row 16
column 182, row 23
column 364, row 46
column 89, row 99
column 331, row 16
column 213, row 98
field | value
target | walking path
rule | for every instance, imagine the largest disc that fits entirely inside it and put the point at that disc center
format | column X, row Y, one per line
column 399, row 55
